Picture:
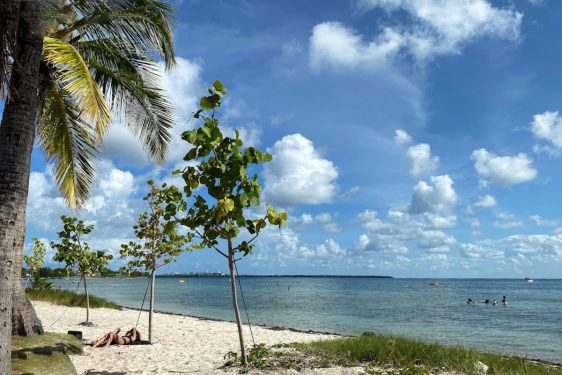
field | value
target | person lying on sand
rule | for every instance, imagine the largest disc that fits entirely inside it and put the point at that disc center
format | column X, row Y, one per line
column 112, row 337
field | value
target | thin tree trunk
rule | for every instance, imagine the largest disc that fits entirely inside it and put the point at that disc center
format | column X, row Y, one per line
column 87, row 299
column 235, row 302
column 151, row 310
column 17, row 133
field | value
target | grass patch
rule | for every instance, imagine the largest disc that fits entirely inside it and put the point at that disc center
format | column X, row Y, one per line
column 44, row 354
column 68, row 298
column 420, row 357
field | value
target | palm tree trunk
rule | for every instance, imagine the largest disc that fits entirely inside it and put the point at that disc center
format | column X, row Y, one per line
column 235, row 303
column 151, row 310
column 17, row 133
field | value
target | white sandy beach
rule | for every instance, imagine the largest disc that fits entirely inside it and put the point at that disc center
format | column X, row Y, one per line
column 182, row 345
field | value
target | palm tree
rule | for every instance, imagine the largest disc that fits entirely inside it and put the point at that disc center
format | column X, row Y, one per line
column 96, row 64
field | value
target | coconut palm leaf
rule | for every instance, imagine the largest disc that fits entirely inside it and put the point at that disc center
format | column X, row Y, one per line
column 143, row 23
column 75, row 78
column 69, row 143
column 131, row 84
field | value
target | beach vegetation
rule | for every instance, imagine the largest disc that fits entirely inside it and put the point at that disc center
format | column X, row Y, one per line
column 45, row 354
column 34, row 263
column 75, row 253
column 221, row 203
column 70, row 298
column 397, row 355
column 159, row 240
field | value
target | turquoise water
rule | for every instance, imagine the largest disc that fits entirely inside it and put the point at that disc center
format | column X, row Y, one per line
column 531, row 325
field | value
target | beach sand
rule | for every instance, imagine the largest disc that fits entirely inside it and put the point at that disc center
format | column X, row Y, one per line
column 182, row 344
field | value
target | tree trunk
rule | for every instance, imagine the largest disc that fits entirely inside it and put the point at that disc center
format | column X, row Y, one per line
column 87, row 299
column 235, row 302
column 17, row 133
column 151, row 310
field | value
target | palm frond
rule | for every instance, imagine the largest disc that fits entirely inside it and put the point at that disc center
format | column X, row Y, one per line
column 69, row 143
column 144, row 23
column 75, row 78
column 133, row 86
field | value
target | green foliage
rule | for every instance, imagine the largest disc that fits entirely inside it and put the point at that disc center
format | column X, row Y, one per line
column 412, row 357
column 34, row 262
column 74, row 252
column 220, row 165
column 160, row 242
column 68, row 298
column 258, row 356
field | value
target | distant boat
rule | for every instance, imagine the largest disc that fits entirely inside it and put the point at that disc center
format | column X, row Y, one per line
column 528, row 279
column 181, row 281
column 433, row 283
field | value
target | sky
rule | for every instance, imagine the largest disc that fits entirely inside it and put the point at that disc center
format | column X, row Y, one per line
column 410, row 138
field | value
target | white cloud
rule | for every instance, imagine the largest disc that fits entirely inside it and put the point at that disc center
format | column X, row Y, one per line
column 298, row 174
column 484, row 201
column 503, row 170
column 324, row 217
column 542, row 222
column 401, row 137
column 333, row 45
column 516, row 249
column 439, row 28
column 437, row 198
column 113, row 206
column 547, row 126
column 421, row 159
column 506, row 220
column 445, row 26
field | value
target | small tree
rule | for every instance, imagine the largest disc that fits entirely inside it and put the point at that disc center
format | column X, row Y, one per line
column 160, row 243
column 34, row 263
column 76, row 254
column 220, row 165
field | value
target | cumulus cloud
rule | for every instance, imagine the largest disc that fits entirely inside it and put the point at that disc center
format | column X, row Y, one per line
column 333, row 45
column 542, row 222
column 439, row 28
column 506, row 220
column 444, row 27
column 401, row 137
column 484, row 201
column 516, row 249
column 421, row 159
column 438, row 197
column 503, row 170
column 547, row 127
column 298, row 174
column 113, row 206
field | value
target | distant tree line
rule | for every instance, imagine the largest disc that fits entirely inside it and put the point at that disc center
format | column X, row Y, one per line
column 63, row 272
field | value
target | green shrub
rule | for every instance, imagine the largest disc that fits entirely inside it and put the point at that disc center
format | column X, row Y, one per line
column 68, row 298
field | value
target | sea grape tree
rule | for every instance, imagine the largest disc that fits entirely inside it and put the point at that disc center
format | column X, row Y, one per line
column 221, row 196
column 159, row 240
column 34, row 263
column 75, row 253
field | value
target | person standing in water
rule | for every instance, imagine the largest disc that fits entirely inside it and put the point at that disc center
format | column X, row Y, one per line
column 504, row 301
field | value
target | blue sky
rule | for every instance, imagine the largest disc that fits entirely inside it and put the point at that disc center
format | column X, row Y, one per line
column 410, row 138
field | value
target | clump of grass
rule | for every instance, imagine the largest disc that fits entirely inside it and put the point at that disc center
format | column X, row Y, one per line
column 68, row 298
column 44, row 354
column 400, row 352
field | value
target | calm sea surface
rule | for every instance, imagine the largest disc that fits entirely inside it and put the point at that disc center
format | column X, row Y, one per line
column 531, row 325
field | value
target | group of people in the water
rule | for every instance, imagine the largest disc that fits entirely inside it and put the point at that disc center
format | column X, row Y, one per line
column 488, row 301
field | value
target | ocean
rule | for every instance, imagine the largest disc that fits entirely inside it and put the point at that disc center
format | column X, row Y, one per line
column 530, row 325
